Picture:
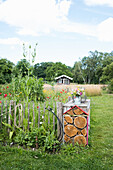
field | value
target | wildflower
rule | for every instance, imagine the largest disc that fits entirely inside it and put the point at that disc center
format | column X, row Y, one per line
column 63, row 99
column 7, row 87
column 60, row 91
column 0, row 93
column 48, row 97
column 58, row 96
column 65, row 91
column 10, row 94
column 3, row 89
column 37, row 107
column 20, row 92
column 0, row 101
column 80, row 93
column 5, row 95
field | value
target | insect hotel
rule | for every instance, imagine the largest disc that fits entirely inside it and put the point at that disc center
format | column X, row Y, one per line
column 76, row 122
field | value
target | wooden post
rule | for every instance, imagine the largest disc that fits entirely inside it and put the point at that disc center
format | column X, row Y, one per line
column 39, row 116
column 54, row 116
column 33, row 115
column 60, row 116
column 28, row 114
column 1, row 113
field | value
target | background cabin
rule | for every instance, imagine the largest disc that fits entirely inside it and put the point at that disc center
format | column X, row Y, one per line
column 63, row 79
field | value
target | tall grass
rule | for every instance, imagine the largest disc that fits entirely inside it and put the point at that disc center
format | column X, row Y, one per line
column 93, row 91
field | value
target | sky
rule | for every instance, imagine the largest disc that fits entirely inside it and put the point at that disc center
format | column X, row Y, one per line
column 65, row 30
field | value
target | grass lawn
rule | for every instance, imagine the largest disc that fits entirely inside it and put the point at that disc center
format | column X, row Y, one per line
column 98, row 155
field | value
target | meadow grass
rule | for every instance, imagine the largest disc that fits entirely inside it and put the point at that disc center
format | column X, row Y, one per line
column 98, row 155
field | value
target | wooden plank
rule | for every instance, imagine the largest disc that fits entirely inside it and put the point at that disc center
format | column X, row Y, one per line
column 44, row 112
column 24, row 115
column 6, row 113
column 33, row 115
column 1, row 113
column 60, row 116
column 39, row 116
column 28, row 114
column 54, row 116
column 48, row 116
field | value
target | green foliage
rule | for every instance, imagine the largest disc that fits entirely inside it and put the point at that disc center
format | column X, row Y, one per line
column 22, row 67
column 110, row 86
column 6, row 70
column 107, row 73
column 40, row 69
column 57, row 69
column 50, row 142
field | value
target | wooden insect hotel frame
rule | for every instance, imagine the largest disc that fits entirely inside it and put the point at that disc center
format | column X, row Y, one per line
column 76, row 122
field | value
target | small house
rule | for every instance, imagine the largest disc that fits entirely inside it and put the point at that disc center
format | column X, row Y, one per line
column 75, row 124
column 63, row 79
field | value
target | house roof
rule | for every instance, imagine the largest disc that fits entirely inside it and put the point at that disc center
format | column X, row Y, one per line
column 78, row 108
column 63, row 76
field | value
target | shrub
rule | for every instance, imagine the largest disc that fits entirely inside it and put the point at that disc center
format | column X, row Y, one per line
column 110, row 86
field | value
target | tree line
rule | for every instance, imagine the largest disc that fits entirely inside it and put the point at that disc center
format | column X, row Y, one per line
column 93, row 69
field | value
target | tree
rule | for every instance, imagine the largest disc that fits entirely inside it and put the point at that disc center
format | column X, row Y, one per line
column 40, row 69
column 57, row 69
column 92, row 67
column 6, row 70
column 77, row 73
column 22, row 67
column 107, row 73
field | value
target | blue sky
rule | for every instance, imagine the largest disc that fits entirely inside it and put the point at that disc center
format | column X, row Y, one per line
column 66, row 30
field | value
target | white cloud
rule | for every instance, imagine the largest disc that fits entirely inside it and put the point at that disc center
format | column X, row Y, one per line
column 105, row 30
column 11, row 41
column 34, row 16
column 99, row 2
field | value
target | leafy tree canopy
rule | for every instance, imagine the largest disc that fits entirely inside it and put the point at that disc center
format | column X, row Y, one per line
column 6, row 70
column 57, row 69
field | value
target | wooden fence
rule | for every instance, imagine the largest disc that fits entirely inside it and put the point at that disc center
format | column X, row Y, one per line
column 15, row 114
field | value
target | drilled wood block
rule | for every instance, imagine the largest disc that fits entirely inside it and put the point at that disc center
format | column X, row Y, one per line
column 70, row 130
column 68, row 119
column 80, row 122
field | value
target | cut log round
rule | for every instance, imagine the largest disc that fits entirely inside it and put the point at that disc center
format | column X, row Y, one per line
column 81, row 140
column 67, row 139
column 78, row 111
column 68, row 119
column 70, row 112
column 80, row 122
column 70, row 130
column 84, row 132
column 65, row 123
column 79, row 132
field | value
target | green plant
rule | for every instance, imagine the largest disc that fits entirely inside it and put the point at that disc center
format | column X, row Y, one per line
column 50, row 142
column 110, row 86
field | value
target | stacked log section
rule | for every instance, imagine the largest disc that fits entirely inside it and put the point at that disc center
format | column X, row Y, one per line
column 78, row 111
column 81, row 140
column 70, row 130
column 67, row 139
column 80, row 122
column 68, row 119
column 79, row 132
column 84, row 132
column 65, row 123
column 70, row 112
